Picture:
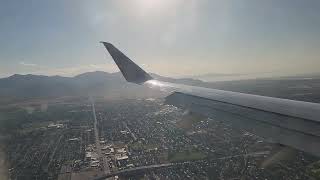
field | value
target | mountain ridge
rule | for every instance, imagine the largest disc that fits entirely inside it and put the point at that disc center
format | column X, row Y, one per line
column 100, row 83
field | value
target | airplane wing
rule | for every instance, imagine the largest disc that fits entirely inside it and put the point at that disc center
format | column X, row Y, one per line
column 288, row 122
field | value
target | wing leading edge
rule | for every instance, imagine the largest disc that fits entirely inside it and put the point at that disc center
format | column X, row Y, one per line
column 288, row 122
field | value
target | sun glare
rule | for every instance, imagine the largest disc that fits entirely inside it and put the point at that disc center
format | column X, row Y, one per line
column 147, row 7
column 148, row 4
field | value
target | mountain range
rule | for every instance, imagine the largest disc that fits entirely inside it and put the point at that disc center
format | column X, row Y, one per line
column 91, row 83
column 114, row 85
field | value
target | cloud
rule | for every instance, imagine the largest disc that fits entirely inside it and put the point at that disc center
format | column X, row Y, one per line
column 27, row 64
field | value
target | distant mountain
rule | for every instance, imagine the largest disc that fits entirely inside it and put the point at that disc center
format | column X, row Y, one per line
column 216, row 77
column 94, row 83
column 35, row 86
column 114, row 85
column 187, row 81
column 213, row 75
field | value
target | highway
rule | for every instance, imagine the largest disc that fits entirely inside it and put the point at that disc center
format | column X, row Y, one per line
column 157, row 166
column 134, row 170
column 102, row 160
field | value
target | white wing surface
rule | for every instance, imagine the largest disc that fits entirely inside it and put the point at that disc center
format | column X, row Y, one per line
column 288, row 122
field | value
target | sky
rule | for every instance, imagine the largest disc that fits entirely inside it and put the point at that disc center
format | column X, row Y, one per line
column 168, row 37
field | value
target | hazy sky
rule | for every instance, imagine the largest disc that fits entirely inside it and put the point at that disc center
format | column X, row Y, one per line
column 168, row 37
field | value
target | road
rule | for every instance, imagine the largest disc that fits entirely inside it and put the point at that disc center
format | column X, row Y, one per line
column 157, row 166
column 54, row 151
column 105, row 166
column 132, row 134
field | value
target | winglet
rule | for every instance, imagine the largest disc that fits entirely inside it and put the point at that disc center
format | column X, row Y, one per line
column 131, row 72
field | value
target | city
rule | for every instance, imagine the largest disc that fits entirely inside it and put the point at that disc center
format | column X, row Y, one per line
column 97, row 138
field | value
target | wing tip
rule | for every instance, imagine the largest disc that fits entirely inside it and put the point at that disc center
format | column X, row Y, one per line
column 105, row 43
column 131, row 71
